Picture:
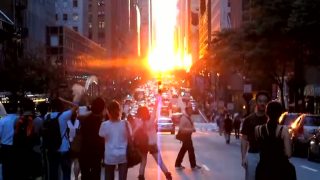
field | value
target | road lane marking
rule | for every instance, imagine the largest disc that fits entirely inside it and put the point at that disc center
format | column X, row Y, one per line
column 310, row 169
column 205, row 167
column 202, row 132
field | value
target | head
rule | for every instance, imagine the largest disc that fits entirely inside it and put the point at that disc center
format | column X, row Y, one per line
column 56, row 105
column 42, row 108
column 189, row 109
column 143, row 113
column 27, row 106
column 97, row 106
column 274, row 111
column 114, row 110
column 262, row 98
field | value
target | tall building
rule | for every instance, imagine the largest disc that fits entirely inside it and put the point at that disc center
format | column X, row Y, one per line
column 72, row 14
column 37, row 16
column 145, row 33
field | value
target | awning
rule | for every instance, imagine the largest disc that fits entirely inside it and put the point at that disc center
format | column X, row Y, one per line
column 312, row 90
column 6, row 25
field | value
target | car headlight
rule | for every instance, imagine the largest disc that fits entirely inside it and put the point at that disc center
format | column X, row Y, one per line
column 312, row 142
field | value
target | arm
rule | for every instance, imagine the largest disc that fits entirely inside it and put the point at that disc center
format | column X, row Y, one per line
column 287, row 142
column 102, row 130
column 244, row 150
column 73, row 106
column 184, row 126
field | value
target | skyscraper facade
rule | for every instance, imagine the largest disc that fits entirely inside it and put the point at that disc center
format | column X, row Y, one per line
column 72, row 14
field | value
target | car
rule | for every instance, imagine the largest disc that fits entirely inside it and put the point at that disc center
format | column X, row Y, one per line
column 301, row 131
column 314, row 147
column 165, row 124
column 287, row 118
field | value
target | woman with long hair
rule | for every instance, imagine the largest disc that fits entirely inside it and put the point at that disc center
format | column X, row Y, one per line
column 275, row 147
column 147, row 125
column 114, row 132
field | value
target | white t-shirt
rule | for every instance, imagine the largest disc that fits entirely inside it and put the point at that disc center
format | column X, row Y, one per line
column 115, row 135
column 73, row 128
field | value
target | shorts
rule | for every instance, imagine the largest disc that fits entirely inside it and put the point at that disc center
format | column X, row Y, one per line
column 151, row 149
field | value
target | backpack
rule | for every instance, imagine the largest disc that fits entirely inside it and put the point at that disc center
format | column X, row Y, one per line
column 140, row 138
column 23, row 133
column 51, row 137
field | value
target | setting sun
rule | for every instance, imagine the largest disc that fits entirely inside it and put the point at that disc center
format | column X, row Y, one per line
column 166, row 51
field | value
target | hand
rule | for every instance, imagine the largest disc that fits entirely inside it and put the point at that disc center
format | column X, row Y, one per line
column 244, row 163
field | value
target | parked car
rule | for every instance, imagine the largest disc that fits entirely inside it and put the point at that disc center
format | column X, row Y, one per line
column 165, row 124
column 314, row 147
column 288, row 118
column 301, row 131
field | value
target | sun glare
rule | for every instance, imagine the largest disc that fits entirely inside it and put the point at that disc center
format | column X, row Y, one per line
column 165, row 52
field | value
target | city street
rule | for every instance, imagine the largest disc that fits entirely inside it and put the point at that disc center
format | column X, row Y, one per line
column 219, row 161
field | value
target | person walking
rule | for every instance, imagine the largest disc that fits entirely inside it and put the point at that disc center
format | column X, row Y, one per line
column 275, row 147
column 236, row 125
column 249, row 146
column 146, row 127
column 92, row 145
column 227, row 128
column 114, row 131
column 186, row 127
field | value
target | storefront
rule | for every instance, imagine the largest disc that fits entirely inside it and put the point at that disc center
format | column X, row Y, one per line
column 312, row 98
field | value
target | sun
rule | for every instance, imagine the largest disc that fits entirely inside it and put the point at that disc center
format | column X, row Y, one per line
column 165, row 51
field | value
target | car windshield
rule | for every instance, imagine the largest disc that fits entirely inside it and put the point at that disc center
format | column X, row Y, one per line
column 164, row 121
column 312, row 121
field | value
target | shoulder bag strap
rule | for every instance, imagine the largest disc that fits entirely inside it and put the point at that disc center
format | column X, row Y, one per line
column 280, row 132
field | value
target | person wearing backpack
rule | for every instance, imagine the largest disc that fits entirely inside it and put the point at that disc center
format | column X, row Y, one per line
column 55, row 141
column 7, row 124
column 27, row 164
column 145, row 138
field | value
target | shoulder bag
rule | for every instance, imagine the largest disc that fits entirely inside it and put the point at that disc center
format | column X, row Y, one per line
column 133, row 154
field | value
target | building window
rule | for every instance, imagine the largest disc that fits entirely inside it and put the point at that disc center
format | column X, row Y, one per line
column 65, row 4
column 75, row 28
column 57, row 17
column 75, row 3
column 75, row 16
column 101, row 24
column 229, row 3
column 65, row 17
column 90, row 7
column 54, row 41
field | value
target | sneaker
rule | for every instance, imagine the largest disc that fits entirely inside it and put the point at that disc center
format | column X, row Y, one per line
column 180, row 167
column 168, row 176
column 196, row 167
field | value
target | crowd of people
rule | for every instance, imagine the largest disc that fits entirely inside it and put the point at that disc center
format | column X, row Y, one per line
column 46, row 141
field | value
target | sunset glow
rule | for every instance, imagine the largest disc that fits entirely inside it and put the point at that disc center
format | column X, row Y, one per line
column 166, row 52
